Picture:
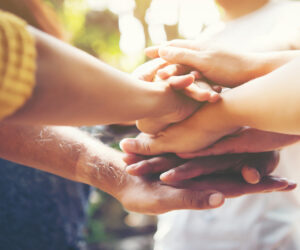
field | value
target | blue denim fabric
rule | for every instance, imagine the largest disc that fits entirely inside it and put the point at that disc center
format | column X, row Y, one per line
column 39, row 210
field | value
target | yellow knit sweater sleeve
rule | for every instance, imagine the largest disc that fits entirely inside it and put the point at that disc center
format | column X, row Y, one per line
column 17, row 64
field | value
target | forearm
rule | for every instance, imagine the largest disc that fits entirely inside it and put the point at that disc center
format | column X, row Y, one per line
column 269, row 61
column 268, row 103
column 64, row 151
column 73, row 88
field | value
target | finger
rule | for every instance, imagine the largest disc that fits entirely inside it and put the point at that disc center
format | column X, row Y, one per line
column 202, row 166
column 201, row 95
column 234, row 186
column 144, row 145
column 191, row 199
column 154, row 165
column 184, row 56
column 192, row 155
column 197, row 75
column 214, row 96
column 181, row 82
column 250, row 175
column 217, row 88
column 291, row 186
column 148, row 70
column 173, row 70
column 202, row 84
column 259, row 165
column 199, row 91
column 184, row 43
column 132, row 158
column 152, row 51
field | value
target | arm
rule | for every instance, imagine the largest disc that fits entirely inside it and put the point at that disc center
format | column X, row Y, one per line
column 268, row 103
column 224, row 67
column 72, row 154
column 73, row 88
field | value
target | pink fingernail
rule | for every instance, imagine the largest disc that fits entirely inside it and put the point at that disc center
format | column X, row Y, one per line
column 167, row 174
column 251, row 175
column 215, row 199
column 127, row 145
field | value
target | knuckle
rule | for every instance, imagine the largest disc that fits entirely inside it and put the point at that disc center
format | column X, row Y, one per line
column 194, row 200
column 145, row 147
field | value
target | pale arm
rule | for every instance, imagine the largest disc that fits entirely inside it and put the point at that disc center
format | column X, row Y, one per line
column 268, row 103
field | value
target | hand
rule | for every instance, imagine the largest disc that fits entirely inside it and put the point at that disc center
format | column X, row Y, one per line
column 150, row 196
column 200, row 92
column 247, row 141
column 204, row 128
column 223, row 67
column 173, row 169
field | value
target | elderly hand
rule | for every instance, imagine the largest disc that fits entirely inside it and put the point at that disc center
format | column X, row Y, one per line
column 146, row 194
column 149, row 195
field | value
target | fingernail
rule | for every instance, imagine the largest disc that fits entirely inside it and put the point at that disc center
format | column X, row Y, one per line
column 277, row 178
column 291, row 182
column 251, row 175
column 167, row 175
column 131, row 167
column 215, row 199
column 128, row 145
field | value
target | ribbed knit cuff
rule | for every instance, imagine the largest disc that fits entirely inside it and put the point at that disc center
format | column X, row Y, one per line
column 17, row 64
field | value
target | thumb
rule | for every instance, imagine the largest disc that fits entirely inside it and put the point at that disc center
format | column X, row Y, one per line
column 142, row 146
column 195, row 59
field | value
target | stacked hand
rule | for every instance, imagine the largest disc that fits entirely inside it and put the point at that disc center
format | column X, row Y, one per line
column 225, row 153
column 185, row 90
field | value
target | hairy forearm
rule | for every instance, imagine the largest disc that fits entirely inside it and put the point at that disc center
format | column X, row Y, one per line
column 63, row 151
column 268, row 103
column 74, row 88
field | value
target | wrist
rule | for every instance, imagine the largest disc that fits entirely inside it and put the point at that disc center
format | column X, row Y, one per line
column 160, row 98
column 229, row 121
column 105, row 172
